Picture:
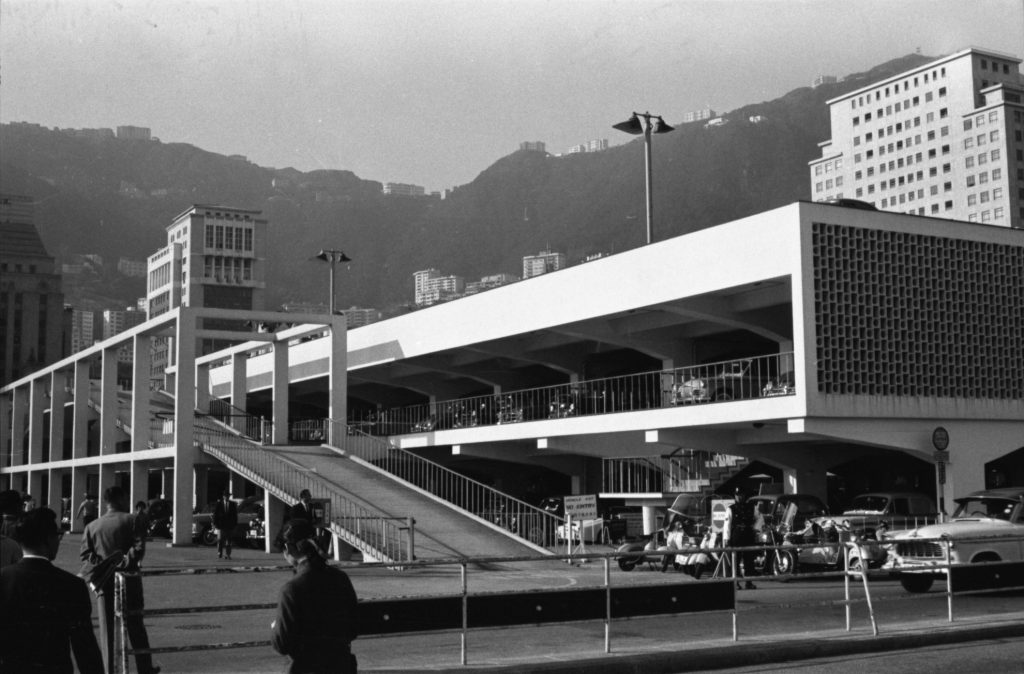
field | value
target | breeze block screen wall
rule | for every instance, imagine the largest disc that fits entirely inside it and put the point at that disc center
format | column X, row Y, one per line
column 901, row 314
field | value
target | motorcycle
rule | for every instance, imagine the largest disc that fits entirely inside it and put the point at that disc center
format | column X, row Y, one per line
column 821, row 547
column 776, row 558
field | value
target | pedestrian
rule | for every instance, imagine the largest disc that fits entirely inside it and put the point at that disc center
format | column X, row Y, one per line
column 88, row 511
column 47, row 613
column 115, row 533
column 316, row 612
column 303, row 510
column 142, row 519
column 225, row 520
column 742, row 523
column 10, row 508
column 28, row 503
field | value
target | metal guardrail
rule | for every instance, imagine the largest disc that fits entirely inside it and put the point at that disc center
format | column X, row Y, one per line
column 743, row 379
column 375, row 534
column 514, row 515
column 408, row 615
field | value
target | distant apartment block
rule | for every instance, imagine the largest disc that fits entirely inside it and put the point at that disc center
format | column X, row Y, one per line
column 32, row 328
column 116, row 321
column 943, row 139
column 92, row 134
column 590, row 146
column 542, row 263
column 133, row 133
column 823, row 79
column 359, row 316
column 82, row 330
column 127, row 267
column 488, row 282
column 404, row 190
column 698, row 115
column 431, row 287
column 533, row 146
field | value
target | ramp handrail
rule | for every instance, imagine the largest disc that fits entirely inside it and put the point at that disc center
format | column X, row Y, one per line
column 376, row 535
column 522, row 519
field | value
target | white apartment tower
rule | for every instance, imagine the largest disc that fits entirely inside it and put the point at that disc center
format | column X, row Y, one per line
column 542, row 263
column 431, row 287
column 943, row 140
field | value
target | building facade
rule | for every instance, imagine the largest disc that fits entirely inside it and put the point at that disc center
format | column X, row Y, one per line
column 214, row 258
column 698, row 115
column 82, row 330
column 32, row 330
column 431, row 287
column 943, row 139
column 404, row 190
column 133, row 133
column 542, row 263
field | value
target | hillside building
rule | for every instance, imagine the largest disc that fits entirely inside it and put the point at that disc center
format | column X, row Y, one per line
column 133, row 268
column 533, row 146
column 823, row 79
column 404, row 190
column 943, row 139
column 698, row 115
column 133, row 133
column 542, row 263
column 488, row 282
column 32, row 330
column 431, row 287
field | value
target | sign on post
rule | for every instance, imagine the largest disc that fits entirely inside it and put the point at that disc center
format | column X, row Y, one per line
column 582, row 507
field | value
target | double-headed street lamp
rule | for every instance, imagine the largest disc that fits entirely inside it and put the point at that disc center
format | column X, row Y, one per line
column 634, row 126
column 332, row 256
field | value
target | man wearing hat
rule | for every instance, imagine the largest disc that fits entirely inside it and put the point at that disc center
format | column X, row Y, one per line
column 740, row 531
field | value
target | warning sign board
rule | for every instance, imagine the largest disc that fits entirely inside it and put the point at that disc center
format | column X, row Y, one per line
column 719, row 507
column 582, row 507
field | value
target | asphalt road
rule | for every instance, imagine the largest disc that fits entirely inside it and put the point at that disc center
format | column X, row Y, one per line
column 801, row 610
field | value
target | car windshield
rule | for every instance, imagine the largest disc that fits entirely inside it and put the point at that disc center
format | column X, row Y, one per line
column 995, row 508
column 869, row 503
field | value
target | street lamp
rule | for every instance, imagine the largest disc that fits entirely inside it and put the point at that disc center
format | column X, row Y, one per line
column 634, row 126
column 332, row 256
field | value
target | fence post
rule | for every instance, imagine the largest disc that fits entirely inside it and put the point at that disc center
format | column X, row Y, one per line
column 465, row 611
column 735, row 585
column 607, row 607
column 412, row 538
column 949, row 579
column 121, row 637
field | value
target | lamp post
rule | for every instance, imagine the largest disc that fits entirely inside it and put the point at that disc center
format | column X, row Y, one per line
column 332, row 256
column 634, row 126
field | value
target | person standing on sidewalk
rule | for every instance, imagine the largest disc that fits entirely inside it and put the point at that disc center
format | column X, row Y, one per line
column 115, row 533
column 225, row 520
column 47, row 613
column 740, row 531
column 317, row 610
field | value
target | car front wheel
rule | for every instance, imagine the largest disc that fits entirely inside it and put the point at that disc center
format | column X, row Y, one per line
column 208, row 536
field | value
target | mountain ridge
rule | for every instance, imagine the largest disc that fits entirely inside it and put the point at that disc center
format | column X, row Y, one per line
column 116, row 198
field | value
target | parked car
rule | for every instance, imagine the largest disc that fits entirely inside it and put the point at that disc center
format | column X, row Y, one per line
column 898, row 510
column 987, row 526
column 249, row 508
column 710, row 383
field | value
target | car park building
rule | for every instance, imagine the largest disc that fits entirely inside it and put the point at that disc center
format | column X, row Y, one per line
column 843, row 335
column 943, row 139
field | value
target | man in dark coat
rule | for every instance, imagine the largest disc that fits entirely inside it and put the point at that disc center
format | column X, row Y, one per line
column 115, row 533
column 46, row 612
column 225, row 520
column 316, row 612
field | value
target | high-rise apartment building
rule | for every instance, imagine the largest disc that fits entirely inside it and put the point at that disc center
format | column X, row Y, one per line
column 214, row 257
column 32, row 326
column 698, row 115
column 430, row 287
column 133, row 133
column 542, row 263
column 82, row 330
column 943, row 139
column 404, row 190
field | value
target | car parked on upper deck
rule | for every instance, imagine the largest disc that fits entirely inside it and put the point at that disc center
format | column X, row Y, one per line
column 987, row 526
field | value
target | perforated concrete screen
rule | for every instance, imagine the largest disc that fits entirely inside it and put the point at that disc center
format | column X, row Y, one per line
column 900, row 314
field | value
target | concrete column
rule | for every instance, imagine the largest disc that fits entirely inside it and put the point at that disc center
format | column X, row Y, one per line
column 58, row 397
column 36, row 408
column 651, row 516
column 280, row 394
column 53, row 492
column 19, row 416
column 167, row 482
column 79, row 485
column 36, row 486
column 184, row 425
column 80, row 411
column 140, row 483
column 108, row 403
column 203, row 396
column 338, row 370
column 106, row 480
column 141, row 397
column 273, row 513
column 239, row 389
column 6, row 404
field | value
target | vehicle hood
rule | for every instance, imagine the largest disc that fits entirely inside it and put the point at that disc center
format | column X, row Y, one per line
column 862, row 513
column 973, row 526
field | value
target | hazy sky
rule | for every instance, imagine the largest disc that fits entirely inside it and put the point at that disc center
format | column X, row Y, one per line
column 433, row 91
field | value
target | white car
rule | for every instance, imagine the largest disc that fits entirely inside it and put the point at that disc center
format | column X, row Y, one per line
column 988, row 526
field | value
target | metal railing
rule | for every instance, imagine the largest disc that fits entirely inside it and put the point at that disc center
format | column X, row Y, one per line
column 743, row 379
column 377, row 535
column 514, row 515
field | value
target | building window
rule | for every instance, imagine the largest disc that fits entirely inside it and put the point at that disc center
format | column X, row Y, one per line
column 968, row 143
column 942, row 90
column 972, row 199
column 209, row 236
column 947, row 187
column 969, row 162
column 968, row 124
column 933, row 190
column 970, row 181
column 943, row 113
column 993, row 115
column 982, row 158
column 948, row 205
column 935, row 208
column 997, row 174
column 986, row 216
column 248, row 240
column 983, row 177
column 817, row 187
column 219, row 237
column 997, row 214
column 993, row 135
